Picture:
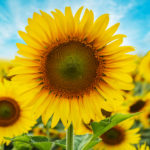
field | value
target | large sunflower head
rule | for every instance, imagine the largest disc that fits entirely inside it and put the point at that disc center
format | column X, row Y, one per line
column 120, row 137
column 15, row 117
column 144, row 68
column 72, row 64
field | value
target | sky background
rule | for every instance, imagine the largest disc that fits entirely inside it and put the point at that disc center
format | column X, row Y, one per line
column 133, row 15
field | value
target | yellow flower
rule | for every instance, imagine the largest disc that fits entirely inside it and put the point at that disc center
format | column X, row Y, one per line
column 128, row 95
column 53, row 133
column 145, row 118
column 111, row 108
column 143, row 147
column 145, row 115
column 84, row 129
column 57, row 134
column 39, row 131
column 120, row 137
column 135, row 74
column 72, row 65
column 5, row 66
column 138, row 104
column 15, row 117
column 144, row 68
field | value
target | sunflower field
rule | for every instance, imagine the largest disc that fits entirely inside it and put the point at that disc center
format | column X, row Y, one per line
column 74, row 85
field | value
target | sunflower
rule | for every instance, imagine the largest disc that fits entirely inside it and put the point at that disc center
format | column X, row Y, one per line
column 111, row 108
column 57, row 134
column 145, row 118
column 5, row 66
column 143, row 147
column 135, row 74
column 128, row 94
column 15, row 117
column 84, row 128
column 39, row 131
column 120, row 137
column 138, row 104
column 144, row 68
column 52, row 133
column 70, row 65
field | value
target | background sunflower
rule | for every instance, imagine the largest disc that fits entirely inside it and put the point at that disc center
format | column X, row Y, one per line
column 15, row 117
column 120, row 137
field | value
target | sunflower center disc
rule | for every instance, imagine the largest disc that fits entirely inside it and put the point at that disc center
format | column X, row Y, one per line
column 148, row 116
column 106, row 113
column 9, row 111
column 71, row 69
column 113, row 136
column 137, row 106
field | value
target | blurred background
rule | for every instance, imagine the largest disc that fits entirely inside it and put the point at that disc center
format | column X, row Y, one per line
column 134, row 16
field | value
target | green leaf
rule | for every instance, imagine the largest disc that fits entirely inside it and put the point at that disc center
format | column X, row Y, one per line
column 21, row 142
column 94, row 142
column 61, row 143
column 26, row 142
column 103, row 126
column 38, row 139
column 138, row 90
column 81, row 140
column 41, row 142
column 7, row 138
column 22, row 138
column 43, row 145
column 21, row 146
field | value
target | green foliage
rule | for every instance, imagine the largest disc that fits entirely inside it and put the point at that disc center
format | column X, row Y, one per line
column 21, row 146
column 35, row 139
column 145, row 138
column 101, row 127
column 82, row 142
column 61, row 143
column 141, row 88
column 42, row 145
column 79, row 141
column 26, row 142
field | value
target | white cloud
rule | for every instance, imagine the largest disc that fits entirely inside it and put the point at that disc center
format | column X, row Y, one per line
column 147, row 38
column 16, row 19
column 117, row 12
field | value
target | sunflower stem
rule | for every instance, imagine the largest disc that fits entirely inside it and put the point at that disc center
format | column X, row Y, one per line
column 69, row 138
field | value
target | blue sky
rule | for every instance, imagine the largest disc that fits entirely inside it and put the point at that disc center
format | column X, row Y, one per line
column 133, row 15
